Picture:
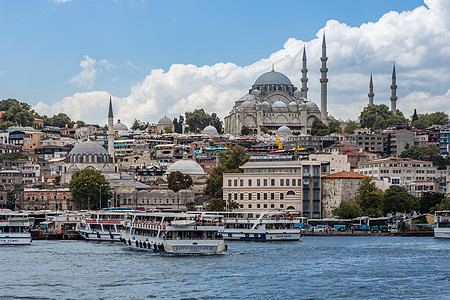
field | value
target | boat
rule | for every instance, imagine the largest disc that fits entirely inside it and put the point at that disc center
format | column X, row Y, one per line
column 103, row 225
column 14, row 228
column 442, row 224
column 174, row 233
column 261, row 226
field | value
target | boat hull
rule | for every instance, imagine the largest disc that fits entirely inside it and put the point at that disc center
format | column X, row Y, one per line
column 261, row 236
column 442, row 233
column 15, row 238
column 100, row 236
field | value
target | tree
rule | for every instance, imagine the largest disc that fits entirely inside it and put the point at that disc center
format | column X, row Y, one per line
column 426, row 153
column 80, row 123
column 19, row 114
column 12, row 156
column 319, row 128
column 444, row 205
column 245, row 130
column 216, row 123
column 229, row 162
column 191, row 206
column 88, row 187
column 135, row 124
column 60, row 120
column 179, row 181
column 350, row 127
column 168, row 129
column 348, row 210
column 429, row 200
column 375, row 116
column 6, row 125
column 397, row 199
column 426, row 120
column 198, row 120
column 414, row 117
column 369, row 198
column 264, row 130
column 334, row 126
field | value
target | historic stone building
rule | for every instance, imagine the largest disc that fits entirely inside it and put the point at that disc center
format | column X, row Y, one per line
column 273, row 101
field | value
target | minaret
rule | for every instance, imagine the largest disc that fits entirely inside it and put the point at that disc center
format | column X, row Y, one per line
column 371, row 94
column 323, row 83
column 394, row 91
column 111, row 130
column 304, row 77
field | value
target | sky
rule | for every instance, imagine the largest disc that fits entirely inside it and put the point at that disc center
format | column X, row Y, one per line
column 163, row 58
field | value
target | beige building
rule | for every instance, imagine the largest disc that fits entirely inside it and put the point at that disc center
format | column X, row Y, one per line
column 338, row 187
column 337, row 162
column 275, row 183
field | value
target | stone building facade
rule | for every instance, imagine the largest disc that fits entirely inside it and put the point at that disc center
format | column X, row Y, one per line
column 338, row 187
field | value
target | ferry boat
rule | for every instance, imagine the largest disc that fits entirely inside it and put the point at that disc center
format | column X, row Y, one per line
column 261, row 226
column 174, row 233
column 442, row 224
column 14, row 228
column 104, row 225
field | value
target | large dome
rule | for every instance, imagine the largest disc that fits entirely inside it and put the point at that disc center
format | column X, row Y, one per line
column 283, row 130
column 210, row 130
column 88, row 148
column 186, row 166
column 165, row 121
column 272, row 78
column 120, row 126
column 279, row 104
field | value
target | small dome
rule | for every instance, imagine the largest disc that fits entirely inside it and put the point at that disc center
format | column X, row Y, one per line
column 311, row 105
column 210, row 130
column 265, row 104
column 298, row 94
column 120, row 126
column 279, row 104
column 165, row 121
column 88, row 148
column 244, row 98
column 246, row 104
column 284, row 130
column 293, row 104
column 272, row 78
column 186, row 166
column 303, row 105
column 256, row 92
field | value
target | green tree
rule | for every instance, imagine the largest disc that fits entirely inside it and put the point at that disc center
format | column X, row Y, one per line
column 426, row 120
column 217, row 123
column 229, row 162
column 80, row 123
column 444, row 205
column 348, row 210
column 12, row 156
column 350, row 127
column 414, row 117
column 430, row 200
column 245, row 130
column 197, row 120
column 334, row 126
column 375, row 116
column 218, row 204
column 191, row 206
column 369, row 198
column 6, row 125
column 60, row 120
column 19, row 114
column 264, row 130
column 88, row 186
column 397, row 199
column 179, row 181
column 426, row 153
column 168, row 129
column 319, row 128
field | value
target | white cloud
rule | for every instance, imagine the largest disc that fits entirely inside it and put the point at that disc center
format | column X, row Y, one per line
column 90, row 69
column 61, row 1
column 418, row 41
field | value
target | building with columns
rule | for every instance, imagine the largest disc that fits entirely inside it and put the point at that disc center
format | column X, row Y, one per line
column 273, row 101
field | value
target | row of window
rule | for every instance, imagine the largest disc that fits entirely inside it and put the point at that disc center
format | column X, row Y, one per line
column 282, row 182
column 259, row 196
column 262, row 205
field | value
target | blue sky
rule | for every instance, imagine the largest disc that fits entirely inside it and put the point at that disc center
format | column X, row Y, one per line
column 58, row 54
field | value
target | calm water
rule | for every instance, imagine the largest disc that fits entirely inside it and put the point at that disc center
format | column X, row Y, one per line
column 317, row 267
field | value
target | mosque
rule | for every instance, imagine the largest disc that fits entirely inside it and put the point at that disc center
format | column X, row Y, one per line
column 274, row 102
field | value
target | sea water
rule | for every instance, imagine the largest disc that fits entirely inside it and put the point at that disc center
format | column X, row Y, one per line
column 314, row 268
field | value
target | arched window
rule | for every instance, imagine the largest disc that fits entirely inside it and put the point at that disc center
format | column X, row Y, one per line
column 290, row 193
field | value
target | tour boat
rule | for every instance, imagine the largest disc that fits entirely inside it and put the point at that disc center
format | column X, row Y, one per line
column 174, row 233
column 103, row 225
column 14, row 228
column 261, row 226
column 442, row 224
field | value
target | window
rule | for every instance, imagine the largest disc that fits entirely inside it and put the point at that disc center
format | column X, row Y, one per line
column 272, row 182
column 293, row 182
column 281, row 182
column 249, row 182
column 272, row 205
column 287, row 182
column 265, row 205
column 241, row 182
column 235, row 182
column 281, row 205
column 281, row 196
column 258, row 205
column 241, row 196
column 299, row 182
column 229, row 196
column 229, row 182
column 265, row 196
column 258, row 196
column 235, row 196
column 272, row 196
column 249, row 206
column 249, row 196
column 290, row 193
column 258, row 182
column 265, row 182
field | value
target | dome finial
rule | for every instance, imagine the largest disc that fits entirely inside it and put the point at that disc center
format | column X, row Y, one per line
column 273, row 68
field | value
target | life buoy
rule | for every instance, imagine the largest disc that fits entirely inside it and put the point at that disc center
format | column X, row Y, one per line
column 230, row 235
column 98, row 234
column 255, row 235
column 164, row 226
column 111, row 236
column 246, row 235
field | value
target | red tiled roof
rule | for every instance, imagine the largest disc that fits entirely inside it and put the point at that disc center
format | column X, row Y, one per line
column 347, row 175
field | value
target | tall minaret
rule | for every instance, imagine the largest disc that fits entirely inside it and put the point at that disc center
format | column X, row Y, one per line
column 371, row 94
column 304, row 77
column 323, row 83
column 394, row 91
column 111, row 130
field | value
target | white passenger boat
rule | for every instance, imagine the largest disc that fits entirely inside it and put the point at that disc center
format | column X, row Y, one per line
column 104, row 225
column 174, row 233
column 14, row 228
column 261, row 226
column 442, row 224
